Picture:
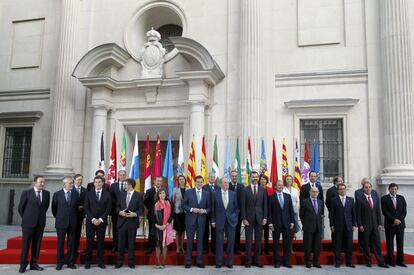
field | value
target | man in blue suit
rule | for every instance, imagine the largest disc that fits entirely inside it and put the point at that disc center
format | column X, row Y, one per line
column 342, row 220
column 196, row 204
column 224, row 217
column 64, row 209
column 281, row 221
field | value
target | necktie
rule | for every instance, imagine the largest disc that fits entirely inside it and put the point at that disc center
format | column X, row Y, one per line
column 79, row 191
column 98, row 197
column 281, row 200
column 394, row 201
column 225, row 201
column 68, row 197
column 39, row 198
column 343, row 201
column 370, row 202
column 212, row 187
column 255, row 191
column 198, row 196
column 120, row 186
column 315, row 205
column 128, row 199
column 235, row 187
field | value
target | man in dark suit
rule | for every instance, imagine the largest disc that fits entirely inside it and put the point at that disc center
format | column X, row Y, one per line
column 129, row 208
column 149, row 202
column 98, row 173
column 394, row 209
column 369, row 222
column 210, row 187
column 281, row 221
column 304, row 190
column 332, row 192
column 116, row 190
column 224, row 219
column 238, row 189
column 311, row 213
column 64, row 209
column 97, row 208
column 196, row 204
column 342, row 221
column 33, row 205
column 254, row 215
column 80, row 211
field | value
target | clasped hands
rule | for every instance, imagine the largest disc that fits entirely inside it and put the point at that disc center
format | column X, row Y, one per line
column 199, row 211
column 128, row 214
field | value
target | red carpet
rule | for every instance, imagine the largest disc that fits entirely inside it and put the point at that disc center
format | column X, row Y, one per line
column 11, row 254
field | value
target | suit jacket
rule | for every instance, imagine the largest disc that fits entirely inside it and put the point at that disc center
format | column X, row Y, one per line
column 281, row 217
column 149, row 202
column 391, row 213
column 304, row 192
column 239, row 193
column 367, row 217
column 331, row 194
column 32, row 212
column 64, row 212
column 341, row 217
column 360, row 193
column 136, row 205
column 115, row 195
column 220, row 214
column 254, row 209
column 178, row 200
column 81, row 202
column 95, row 209
column 311, row 221
column 190, row 201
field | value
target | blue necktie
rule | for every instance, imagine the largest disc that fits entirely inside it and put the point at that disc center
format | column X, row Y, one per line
column 98, row 196
column 68, row 197
column 281, row 201
column 198, row 196
column 315, row 205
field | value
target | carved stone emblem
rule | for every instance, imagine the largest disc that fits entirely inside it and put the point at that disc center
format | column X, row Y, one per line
column 152, row 56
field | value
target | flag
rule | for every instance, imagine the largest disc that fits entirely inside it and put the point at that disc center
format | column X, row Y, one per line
column 227, row 161
column 215, row 167
column 147, row 166
column 237, row 163
column 168, row 171
column 102, row 151
column 263, row 161
column 315, row 160
column 122, row 159
column 274, row 177
column 191, row 166
column 203, row 170
column 112, row 163
column 248, row 162
column 180, row 162
column 134, row 172
column 285, row 165
column 297, row 183
column 156, row 169
column 306, row 166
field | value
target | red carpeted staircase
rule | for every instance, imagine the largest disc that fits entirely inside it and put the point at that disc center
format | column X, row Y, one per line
column 11, row 254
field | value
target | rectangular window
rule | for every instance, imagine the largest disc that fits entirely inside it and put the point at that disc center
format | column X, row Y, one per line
column 16, row 158
column 328, row 134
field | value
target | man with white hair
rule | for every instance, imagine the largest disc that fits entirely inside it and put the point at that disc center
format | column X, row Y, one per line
column 210, row 187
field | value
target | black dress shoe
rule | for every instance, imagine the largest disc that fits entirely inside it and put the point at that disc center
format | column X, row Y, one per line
column 317, row 265
column 368, row 264
column 277, row 265
column 131, row 266
column 187, row 265
column 350, row 265
column 102, row 266
column 258, row 265
column 71, row 266
column 247, row 265
column 22, row 269
column 308, row 265
column 59, row 267
column 201, row 265
column 229, row 266
column 402, row 264
column 36, row 267
column 218, row 265
column 337, row 265
column 391, row 264
column 287, row 265
column 87, row 266
column 383, row 265
column 118, row 266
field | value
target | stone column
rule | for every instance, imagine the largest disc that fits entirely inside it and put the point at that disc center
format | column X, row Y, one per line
column 99, row 122
column 398, row 90
column 60, row 160
column 251, row 77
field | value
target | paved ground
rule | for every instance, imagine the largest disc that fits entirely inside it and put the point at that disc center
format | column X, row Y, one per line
column 10, row 231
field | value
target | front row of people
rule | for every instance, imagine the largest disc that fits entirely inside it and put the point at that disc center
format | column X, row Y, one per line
column 224, row 207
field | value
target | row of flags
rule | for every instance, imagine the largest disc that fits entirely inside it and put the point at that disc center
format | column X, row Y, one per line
column 300, row 176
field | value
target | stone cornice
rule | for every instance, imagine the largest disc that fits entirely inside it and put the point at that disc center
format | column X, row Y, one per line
column 321, row 103
column 21, row 116
column 24, row 94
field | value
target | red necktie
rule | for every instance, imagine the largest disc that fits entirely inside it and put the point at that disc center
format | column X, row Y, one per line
column 370, row 202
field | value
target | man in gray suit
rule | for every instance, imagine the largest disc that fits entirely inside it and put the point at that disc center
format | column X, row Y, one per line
column 254, row 215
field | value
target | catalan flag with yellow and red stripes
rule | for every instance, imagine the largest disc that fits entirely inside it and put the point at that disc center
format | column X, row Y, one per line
column 297, row 182
column 191, row 168
column 285, row 165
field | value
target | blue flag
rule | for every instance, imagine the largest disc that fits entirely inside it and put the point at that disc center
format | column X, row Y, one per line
column 227, row 161
column 315, row 160
column 168, row 171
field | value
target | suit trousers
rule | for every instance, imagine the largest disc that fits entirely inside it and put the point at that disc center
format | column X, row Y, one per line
column 390, row 233
column 342, row 242
column 191, row 231
column 207, row 230
column 114, row 219
column 230, row 233
column 238, row 231
column 126, row 241
column 32, row 236
column 371, row 238
column 69, row 235
column 91, row 230
column 287, row 244
column 257, row 229
column 78, row 231
column 312, row 243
